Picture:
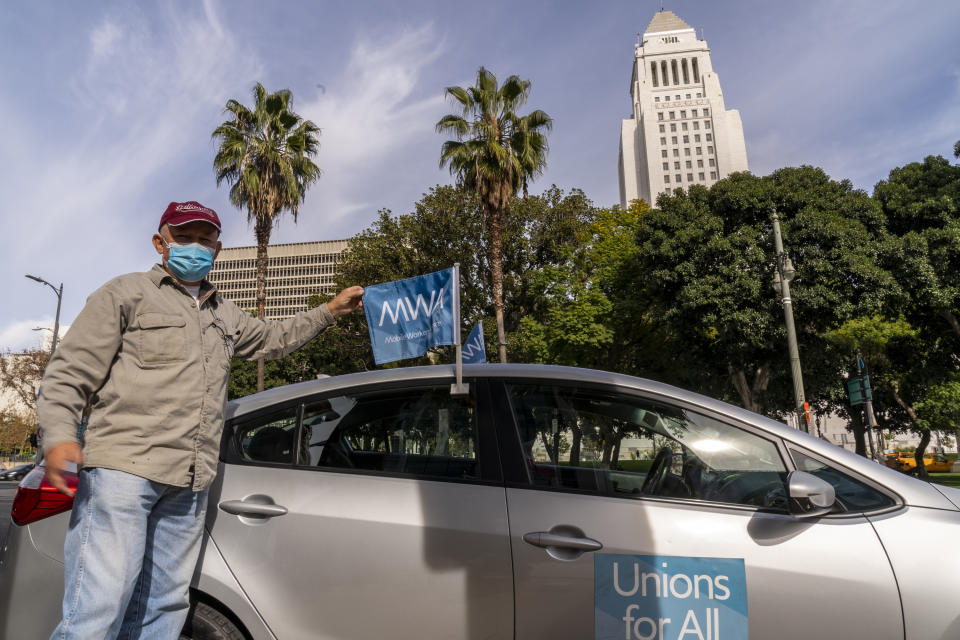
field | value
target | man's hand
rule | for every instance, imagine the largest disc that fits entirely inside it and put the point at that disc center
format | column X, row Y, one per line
column 57, row 459
column 346, row 301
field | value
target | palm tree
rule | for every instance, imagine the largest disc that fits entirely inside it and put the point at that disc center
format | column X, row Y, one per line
column 265, row 155
column 495, row 154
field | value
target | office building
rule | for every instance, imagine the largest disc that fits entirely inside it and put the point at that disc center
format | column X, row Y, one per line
column 680, row 132
column 295, row 271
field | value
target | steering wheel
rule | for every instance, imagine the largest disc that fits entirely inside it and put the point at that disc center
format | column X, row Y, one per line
column 333, row 455
column 658, row 469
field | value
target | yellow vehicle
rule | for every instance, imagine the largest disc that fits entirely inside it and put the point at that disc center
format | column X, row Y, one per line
column 906, row 462
column 936, row 463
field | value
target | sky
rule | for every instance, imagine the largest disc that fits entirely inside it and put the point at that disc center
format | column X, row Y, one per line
column 107, row 107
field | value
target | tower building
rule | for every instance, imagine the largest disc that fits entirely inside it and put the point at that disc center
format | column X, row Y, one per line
column 680, row 132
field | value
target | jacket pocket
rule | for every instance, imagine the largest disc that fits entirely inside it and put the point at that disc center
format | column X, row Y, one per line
column 162, row 338
column 222, row 336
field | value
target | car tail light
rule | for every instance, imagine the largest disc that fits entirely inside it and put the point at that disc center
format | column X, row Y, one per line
column 37, row 499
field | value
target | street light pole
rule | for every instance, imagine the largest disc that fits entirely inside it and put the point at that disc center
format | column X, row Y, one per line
column 781, row 282
column 56, row 322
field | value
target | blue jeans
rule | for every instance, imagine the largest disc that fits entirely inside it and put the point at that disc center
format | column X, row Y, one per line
column 130, row 553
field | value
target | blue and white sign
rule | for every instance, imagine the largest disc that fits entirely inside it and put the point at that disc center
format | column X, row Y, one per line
column 407, row 317
column 474, row 350
column 669, row 598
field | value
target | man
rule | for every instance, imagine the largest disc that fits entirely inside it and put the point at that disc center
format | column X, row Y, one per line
column 150, row 352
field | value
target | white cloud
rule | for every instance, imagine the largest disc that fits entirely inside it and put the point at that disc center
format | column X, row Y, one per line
column 103, row 39
column 140, row 102
column 19, row 335
column 374, row 123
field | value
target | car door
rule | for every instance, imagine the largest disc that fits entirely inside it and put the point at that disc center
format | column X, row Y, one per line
column 696, row 543
column 371, row 513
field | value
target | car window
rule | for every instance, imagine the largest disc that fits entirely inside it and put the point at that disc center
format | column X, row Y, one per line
column 268, row 438
column 852, row 494
column 619, row 445
column 420, row 432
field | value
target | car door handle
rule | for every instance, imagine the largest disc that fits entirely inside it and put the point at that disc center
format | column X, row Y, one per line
column 256, row 509
column 547, row 539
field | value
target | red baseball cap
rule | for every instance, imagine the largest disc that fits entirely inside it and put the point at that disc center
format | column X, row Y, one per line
column 179, row 213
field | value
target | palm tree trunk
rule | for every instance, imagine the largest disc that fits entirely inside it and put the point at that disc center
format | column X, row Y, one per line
column 496, row 266
column 262, row 230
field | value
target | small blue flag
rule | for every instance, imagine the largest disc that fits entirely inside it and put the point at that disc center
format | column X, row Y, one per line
column 407, row 317
column 474, row 350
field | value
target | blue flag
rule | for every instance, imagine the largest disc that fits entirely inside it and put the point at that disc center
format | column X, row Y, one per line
column 474, row 350
column 407, row 317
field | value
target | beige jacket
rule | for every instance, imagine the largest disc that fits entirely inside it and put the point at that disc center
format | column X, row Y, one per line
column 154, row 365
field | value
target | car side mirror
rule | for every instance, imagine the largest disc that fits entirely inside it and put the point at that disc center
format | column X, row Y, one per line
column 810, row 497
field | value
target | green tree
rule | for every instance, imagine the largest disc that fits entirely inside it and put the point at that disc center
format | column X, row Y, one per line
column 705, row 263
column 921, row 202
column 265, row 153
column 495, row 153
column 583, row 295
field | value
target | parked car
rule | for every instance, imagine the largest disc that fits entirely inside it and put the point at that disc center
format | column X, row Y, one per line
column 378, row 505
column 16, row 473
column 933, row 462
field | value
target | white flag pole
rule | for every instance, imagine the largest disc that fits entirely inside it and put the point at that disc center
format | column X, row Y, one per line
column 457, row 388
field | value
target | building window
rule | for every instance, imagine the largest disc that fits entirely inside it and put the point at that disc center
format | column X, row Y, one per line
column 699, row 164
column 706, row 124
column 710, row 149
column 653, row 74
column 676, row 97
column 688, row 96
column 696, row 126
column 676, row 165
column 666, row 166
column 663, row 141
column 663, row 127
column 713, row 175
column 693, row 113
column 689, row 164
column 709, row 137
column 686, row 73
column 673, row 115
column 678, row 177
column 683, row 126
column 676, row 153
column 666, row 178
column 699, row 151
column 699, row 95
column 666, row 98
column 686, row 139
column 676, row 74
column 656, row 99
column 663, row 153
column 673, row 139
column 673, row 126
column 706, row 112
column 696, row 138
column 683, row 113
column 660, row 116
column 701, row 175
column 686, row 151
column 713, row 162
column 689, row 177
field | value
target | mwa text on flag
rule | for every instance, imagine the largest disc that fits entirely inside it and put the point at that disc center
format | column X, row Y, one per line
column 474, row 350
column 407, row 317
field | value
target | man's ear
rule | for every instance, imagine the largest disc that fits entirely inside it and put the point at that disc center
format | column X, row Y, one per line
column 219, row 246
column 158, row 243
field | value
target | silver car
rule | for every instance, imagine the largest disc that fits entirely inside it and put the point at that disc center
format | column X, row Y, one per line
column 548, row 502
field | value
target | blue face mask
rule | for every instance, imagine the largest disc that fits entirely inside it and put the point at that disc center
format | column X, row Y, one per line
column 189, row 262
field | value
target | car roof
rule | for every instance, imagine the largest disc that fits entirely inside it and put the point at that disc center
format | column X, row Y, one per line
column 916, row 492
